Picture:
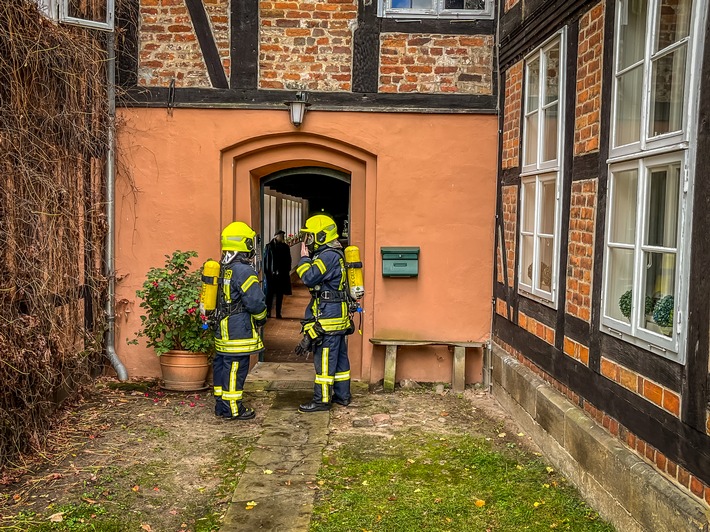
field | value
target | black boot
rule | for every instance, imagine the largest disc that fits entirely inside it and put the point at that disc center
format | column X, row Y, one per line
column 313, row 407
column 342, row 402
column 244, row 414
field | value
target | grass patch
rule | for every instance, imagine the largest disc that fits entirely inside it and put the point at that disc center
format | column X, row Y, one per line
column 418, row 482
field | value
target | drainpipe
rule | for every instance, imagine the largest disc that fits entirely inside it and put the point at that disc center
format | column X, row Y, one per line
column 110, row 214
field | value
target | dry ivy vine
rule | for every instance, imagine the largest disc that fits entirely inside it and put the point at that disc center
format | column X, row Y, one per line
column 53, row 131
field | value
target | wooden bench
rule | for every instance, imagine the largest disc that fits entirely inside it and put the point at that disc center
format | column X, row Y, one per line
column 458, row 378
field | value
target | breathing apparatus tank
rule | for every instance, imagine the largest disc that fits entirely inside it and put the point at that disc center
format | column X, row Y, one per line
column 208, row 294
column 353, row 267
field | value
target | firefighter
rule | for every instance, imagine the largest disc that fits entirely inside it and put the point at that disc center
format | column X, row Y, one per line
column 241, row 310
column 327, row 319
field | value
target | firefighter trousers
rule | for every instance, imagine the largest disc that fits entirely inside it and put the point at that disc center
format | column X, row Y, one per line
column 229, row 374
column 332, row 370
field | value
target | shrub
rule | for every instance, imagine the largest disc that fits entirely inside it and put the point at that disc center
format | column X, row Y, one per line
column 663, row 312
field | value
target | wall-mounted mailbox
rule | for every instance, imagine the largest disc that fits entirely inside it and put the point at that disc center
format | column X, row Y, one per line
column 400, row 262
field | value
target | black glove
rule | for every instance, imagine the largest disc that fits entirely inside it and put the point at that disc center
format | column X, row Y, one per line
column 304, row 347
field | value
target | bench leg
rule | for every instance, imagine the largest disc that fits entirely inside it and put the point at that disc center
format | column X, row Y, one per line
column 459, row 370
column 390, row 367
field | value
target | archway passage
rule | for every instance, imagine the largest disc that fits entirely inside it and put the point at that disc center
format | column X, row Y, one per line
column 288, row 198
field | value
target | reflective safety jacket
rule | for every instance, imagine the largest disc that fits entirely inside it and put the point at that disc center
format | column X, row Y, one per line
column 240, row 302
column 325, row 277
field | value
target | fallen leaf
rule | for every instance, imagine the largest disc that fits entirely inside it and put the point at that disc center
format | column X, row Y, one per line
column 57, row 518
column 409, row 460
column 364, row 482
column 444, row 414
column 448, row 519
column 437, row 500
column 136, row 488
column 521, row 434
column 549, row 470
column 156, row 488
column 90, row 501
column 250, row 505
column 480, row 503
column 502, row 435
column 146, row 527
column 268, row 471
column 545, row 485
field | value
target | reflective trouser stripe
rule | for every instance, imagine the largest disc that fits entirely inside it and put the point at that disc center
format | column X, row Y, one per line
column 217, row 391
column 233, row 405
column 342, row 376
column 325, row 386
column 324, row 379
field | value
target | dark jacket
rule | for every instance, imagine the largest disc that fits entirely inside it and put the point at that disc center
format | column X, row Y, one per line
column 277, row 267
column 325, row 272
column 239, row 296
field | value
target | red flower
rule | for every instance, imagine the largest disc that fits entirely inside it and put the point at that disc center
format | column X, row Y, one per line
column 191, row 310
column 155, row 283
column 171, row 297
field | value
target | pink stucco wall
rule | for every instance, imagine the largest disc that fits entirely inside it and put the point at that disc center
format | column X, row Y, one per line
column 424, row 180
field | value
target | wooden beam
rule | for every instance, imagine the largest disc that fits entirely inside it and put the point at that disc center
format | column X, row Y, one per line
column 458, row 379
column 390, row 367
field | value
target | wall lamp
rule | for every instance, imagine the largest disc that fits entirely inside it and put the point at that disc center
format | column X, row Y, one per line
column 297, row 108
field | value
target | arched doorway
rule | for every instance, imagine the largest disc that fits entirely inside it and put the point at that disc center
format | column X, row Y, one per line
column 288, row 198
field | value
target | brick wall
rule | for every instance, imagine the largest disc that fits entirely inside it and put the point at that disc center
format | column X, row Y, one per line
column 576, row 350
column 581, row 248
column 510, row 218
column 589, row 80
column 168, row 44
column 436, row 63
column 509, row 4
column 662, row 397
column 511, row 115
column 536, row 328
column 653, row 456
column 306, row 44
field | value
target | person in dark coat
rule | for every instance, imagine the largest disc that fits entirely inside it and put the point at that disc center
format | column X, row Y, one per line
column 277, row 269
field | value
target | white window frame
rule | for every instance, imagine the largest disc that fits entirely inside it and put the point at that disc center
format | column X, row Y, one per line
column 58, row 10
column 541, row 172
column 384, row 9
column 648, row 153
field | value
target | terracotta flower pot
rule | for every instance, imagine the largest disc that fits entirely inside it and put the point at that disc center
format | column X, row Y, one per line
column 184, row 370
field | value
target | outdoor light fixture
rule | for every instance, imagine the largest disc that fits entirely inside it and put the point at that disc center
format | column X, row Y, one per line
column 297, row 108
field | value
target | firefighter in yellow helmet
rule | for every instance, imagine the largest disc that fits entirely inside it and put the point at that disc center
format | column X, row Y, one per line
column 327, row 318
column 241, row 310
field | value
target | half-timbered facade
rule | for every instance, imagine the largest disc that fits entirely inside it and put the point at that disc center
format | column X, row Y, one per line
column 601, row 288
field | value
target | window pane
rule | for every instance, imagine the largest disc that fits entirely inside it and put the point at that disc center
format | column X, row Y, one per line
column 660, row 288
column 531, row 139
column 663, row 187
column 549, row 141
column 673, row 23
column 623, row 207
column 526, row 250
column 532, row 87
column 545, row 266
column 465, row 4
column 620, row 278
column 552, row 74
column 412, row 4
column 528, row 222
column 632, row 32
column 628, row 107
column 547, row 208
column 668, row 87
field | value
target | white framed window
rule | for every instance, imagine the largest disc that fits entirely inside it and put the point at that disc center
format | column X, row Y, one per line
column 541, row 165
column 97, row 15
column 465, row 9
column 651, row 164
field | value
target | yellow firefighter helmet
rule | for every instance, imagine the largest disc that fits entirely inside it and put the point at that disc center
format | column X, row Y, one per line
column 320, row 229
column 239, row 237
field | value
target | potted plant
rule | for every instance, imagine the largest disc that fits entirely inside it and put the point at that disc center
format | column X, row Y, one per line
column 173, row 325
column 663, row 314
column 625, row 305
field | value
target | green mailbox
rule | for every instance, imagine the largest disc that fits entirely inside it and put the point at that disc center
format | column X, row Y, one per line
column 400, row 261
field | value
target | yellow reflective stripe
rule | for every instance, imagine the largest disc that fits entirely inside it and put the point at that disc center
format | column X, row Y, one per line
column 259, row 316
column 341, row 285
column 217, row 391
column 320, row 265
column 324, row 379
column 342, row 376
column 232, row 377
column 227, row 287
column 324, row 361
column 233, row 396
column 303, row 268
column 250, row 281
column 234, row 407
column 242, row 347
column 224, row 328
